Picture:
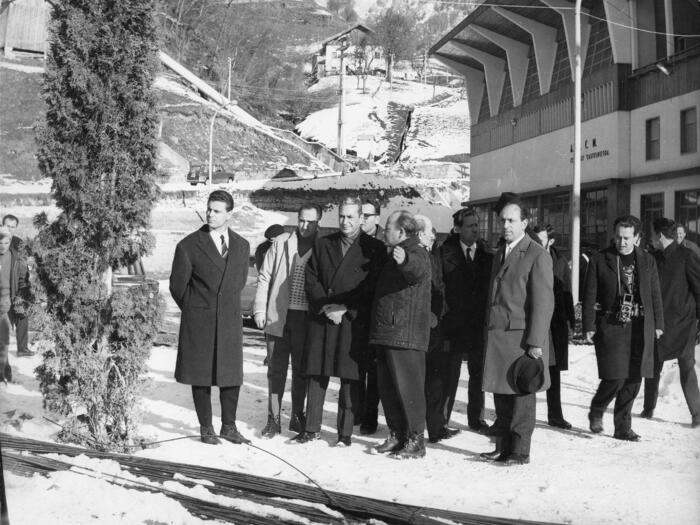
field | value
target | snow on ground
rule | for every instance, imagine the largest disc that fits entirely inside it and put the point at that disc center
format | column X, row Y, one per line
column 574, row 477
column 365, row 116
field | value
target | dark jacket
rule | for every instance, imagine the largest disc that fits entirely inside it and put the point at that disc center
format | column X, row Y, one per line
column 207, row 288
column 466, row 295
column 401, row 307
column 563, row 316
column 679, row 277
column 337, row 350
column 437, row 301
column 613, row 340
column 19, row 276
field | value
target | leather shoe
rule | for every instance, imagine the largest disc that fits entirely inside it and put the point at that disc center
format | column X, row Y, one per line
column 343, row 441
column 647, row 413
column 272, row 428
column 208, row 436
column 695, row 423
column 445, row 433
column 559, row 422
column 514, row 459
column 305, row 437
column 393, row 443
column 231, row 433
column 297, row 422
column 596, row 424
column 627, row 435
column 480, row 426
column 25, row 353
column 496, row 455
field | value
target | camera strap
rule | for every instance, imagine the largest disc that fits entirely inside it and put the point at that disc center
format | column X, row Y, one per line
column 619, row 286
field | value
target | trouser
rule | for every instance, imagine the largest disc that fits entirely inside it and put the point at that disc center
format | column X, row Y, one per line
column 624, row 391
column 368, row 395
column 689, row 384
column 21, row 325
column 347, row 403
column 475, row 394
column 279, row 349
column 398, row 372
column 554, row 410
column 515, row 422
column 441, row 380
column 5, row 368
column 228, row 396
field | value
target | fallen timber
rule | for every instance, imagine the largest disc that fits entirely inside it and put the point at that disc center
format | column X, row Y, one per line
column 25, row 456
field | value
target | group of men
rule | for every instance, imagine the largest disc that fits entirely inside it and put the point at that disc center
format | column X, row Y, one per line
column 393, row 317
column 14, row 292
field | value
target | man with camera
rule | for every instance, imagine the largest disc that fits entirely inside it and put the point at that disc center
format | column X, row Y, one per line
column 623, row 314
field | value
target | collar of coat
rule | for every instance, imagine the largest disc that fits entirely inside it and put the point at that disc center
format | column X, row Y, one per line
column 206, row 244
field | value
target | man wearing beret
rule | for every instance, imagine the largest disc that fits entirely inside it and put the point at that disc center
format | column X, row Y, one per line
column 520, row 306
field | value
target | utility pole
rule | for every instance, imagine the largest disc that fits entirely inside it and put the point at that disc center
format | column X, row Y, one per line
column 341, row 104
column 229, row 79
column 576, row 187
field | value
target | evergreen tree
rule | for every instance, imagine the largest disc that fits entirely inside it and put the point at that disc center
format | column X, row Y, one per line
column 98, row 144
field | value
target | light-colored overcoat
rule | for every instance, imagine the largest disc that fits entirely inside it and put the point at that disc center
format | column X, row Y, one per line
column 521, row 302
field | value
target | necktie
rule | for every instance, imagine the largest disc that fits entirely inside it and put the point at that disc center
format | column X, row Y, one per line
column 471, row 251
column 224, row 248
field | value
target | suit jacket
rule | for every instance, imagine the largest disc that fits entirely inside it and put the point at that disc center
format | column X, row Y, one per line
column 331, row 278
column 563, row 316
column 466, row 295
column 207, row 288
column 612, row 339
column 679, row 278
column 521, row 301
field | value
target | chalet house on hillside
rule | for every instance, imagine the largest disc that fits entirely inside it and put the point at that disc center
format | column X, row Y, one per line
column 326, row 61
column 641, row 96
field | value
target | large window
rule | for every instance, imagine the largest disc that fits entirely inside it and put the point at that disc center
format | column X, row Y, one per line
column 689, row 130
column 688, row 212
column 594, row 217
column 556, row 212
column 651, row 208
column 653, row 138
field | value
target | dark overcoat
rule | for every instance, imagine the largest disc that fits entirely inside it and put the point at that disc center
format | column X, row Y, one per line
column 337, row 350
column 207, row 288
column 402, row 300
column 466, row 295
column 612, row 339
column 521, row 301
column 563, row 316
column 679, row 278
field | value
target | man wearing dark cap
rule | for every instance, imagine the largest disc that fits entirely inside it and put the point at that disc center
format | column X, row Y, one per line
column 520, row 306
column 270, row 234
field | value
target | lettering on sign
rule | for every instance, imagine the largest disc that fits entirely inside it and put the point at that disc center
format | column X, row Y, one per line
column 589, row 144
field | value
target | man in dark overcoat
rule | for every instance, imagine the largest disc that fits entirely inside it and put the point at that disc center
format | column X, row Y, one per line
column 466, row 269
column 563, row 320
column 400, row 331
column 519, row 312
column 623, row 315
column 679, row 278
column 340, row 280
column 19, row 322
column 209, row 272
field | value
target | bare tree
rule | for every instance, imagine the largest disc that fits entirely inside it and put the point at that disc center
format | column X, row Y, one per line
column 394, row 31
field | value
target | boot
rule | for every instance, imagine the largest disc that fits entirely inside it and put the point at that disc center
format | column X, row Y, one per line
column 414, row 448
column 231, row 433
column 393, row 443
column 272, row 428
column 208, row 436
column 297, row 423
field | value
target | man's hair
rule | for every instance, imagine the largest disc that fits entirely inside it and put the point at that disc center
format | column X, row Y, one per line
column 681, row 225
column 351, row 201
column 665, row 227
column 524, row 211
column 422, row 223
column 459, row 216
column 221, row 196
column 9, row 217
column 374, row 204
column 544, row 228
column 316, row 207
column 406, row 221
column 5, row 232
column 628, row 221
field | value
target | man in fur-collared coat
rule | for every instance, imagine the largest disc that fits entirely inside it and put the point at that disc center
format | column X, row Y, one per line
column 623, row 314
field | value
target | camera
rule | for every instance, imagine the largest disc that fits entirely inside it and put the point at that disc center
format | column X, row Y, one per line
column 627, row 309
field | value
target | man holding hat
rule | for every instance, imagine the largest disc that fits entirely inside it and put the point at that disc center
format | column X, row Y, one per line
column 520, row 306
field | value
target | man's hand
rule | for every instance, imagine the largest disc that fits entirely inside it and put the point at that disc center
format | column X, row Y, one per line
column 534, row 352
column 399, row 254
column 260, row 320
column 659, row 333
column 589, row 337
column 334, row 312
